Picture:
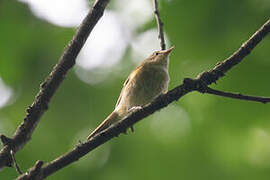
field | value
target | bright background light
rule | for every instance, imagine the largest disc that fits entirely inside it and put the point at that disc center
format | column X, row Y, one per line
column 109, row 40
column 5, row 93
column 67, row 13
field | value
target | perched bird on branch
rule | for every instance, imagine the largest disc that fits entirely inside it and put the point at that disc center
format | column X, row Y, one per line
column 149, row 80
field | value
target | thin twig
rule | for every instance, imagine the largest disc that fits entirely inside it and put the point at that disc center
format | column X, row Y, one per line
column 237, row 95
column 159, row 25
column 34, row 173
column 48, row 88
column 159, row 103
column 15, row 162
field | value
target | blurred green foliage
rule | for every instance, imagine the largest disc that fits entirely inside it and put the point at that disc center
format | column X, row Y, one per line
column 199, row 137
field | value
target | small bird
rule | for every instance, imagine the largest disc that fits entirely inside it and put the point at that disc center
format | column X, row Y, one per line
column 149, row 80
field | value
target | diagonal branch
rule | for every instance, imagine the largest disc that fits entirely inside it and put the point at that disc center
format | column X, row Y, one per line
column 159, row 25
column 209, row 90
column 222, row 67
column 162, row 101
column 48, row 88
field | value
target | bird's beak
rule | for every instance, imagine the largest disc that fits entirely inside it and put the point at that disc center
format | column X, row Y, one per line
column 168, row 51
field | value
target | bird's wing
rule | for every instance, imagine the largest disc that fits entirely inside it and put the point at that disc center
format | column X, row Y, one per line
column 120, row 97
column 128, row 80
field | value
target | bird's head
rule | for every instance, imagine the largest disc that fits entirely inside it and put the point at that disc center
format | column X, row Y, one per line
column 160, row 57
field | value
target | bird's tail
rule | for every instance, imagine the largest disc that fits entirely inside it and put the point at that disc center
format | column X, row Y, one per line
column 112, row 118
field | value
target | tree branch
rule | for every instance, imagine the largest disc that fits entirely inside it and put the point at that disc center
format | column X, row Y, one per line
column 47, row 90
column 159, row 25
column 222, row 67
column 209, row 90
column 162, row 101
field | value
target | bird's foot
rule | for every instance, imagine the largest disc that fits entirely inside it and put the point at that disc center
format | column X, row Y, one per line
column 130, row 111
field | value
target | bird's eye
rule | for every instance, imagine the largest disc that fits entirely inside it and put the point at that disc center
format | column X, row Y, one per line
column 156, row 53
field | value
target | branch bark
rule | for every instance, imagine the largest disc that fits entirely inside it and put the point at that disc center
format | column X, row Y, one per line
column 189, row 85
column 48, row 88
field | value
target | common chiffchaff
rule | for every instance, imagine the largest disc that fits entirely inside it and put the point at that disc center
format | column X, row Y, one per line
column 149, row 80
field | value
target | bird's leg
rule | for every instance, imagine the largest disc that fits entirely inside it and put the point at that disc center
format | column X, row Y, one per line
column 130, row 111
column 132, row 128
